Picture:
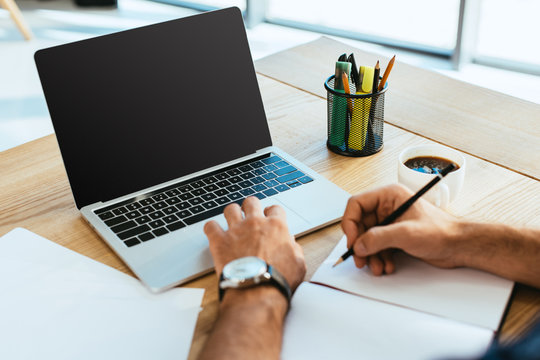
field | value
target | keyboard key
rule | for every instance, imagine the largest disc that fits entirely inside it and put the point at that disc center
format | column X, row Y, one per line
column 196, row 201
column 159, row 197
column 197, row 184
column 146, row 236
column 210, row 180
column 210, row 205
column 235, row 179
column 221, row 192
column 259, row 188
column 133, row 206
column 170, row 210
column 160, row 205
column 281, row 164
column 170, row 219
column 222, row 200
column 173, row 200
column 245, row 168
column 247, row 175
column 305, row 179
column 198, row 192
column 175, row 226
column 157, row 215
column 257, row 164
column 269, row 176
column 186, row 196
column 146, row 202
column 183, row 206
column 133, row 214
column 222, row 176
column 120, row 211
column 259, row 171
column 208, row 197
column 147, row 210
column 234, row 172
column 197, row 209
column 211, row 188
column 282, row 188
column 106, row 215
column 233, row 188
column 156, row 223
column 207, row 214
column 173, row 192
column 271, row 183
column 270, row 192
column 294, row 183
column 270, row 168
column 271, row 159
column 115, row 221
column 247, row 192
column 133, row 231
column 223, row 183
column 123, row 226
column 132, row 242
column 185, row 188
column 160, row 231
column 285, row 170
column 289, row 177
column 184, row 213
column 257, row 180
column 235, row 196
column 260, row 196
column 245, row 184
column 143, row 219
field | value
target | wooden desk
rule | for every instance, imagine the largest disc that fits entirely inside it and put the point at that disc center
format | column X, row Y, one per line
column 35, row 193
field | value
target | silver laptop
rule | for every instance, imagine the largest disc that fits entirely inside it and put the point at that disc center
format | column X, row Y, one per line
column 160, row 128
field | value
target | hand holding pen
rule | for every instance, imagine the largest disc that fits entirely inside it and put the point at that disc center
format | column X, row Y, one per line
column 370, row 230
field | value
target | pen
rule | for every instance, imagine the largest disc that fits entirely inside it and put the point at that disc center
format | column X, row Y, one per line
column 347, row 90
column 355, row 77
column 376, row 78
column 387, row 73
column 404, row 207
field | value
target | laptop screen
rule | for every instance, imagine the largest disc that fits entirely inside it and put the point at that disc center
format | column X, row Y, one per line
column 144, row 106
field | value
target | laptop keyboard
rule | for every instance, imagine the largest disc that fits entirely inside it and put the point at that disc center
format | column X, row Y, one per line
column 155, row 214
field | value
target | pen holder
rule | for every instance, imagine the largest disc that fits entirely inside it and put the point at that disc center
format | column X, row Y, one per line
column 355, row 121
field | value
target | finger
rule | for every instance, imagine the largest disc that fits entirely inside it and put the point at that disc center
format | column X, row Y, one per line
column 233, row 214
column 376, row 265
column 275, row 211
column 252, row 207
column 387, row 257
column 380, row 238
column 213, row 231
column 360, row 262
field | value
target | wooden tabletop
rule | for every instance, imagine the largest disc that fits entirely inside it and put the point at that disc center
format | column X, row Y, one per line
column 35, row 193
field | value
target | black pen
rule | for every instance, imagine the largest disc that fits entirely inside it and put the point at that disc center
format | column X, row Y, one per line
column 404, row 207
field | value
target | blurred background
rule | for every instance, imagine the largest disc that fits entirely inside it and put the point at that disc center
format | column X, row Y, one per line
column 490, row 43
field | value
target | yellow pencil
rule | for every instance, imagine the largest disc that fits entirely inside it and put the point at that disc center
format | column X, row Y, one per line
column 386, row 73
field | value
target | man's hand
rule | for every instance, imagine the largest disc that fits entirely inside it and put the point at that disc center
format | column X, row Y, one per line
column 423, row 231
column 264, row 235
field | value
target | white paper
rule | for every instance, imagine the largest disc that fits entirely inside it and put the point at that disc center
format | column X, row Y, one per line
column 329, row 324
column 57, row 304
column 462, row 294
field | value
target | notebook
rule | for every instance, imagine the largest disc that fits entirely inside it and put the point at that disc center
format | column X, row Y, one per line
column 57, row 304
column 160, row 128
column 421, row 312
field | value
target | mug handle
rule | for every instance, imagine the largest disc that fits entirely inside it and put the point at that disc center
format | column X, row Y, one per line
column 444, row 196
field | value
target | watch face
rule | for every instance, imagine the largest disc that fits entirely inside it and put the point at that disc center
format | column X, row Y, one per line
column 244, row 268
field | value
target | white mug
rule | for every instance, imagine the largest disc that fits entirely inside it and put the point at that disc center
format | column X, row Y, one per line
column 447, row 189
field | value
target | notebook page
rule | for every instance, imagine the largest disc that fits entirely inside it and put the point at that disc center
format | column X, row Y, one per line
column 462, row 294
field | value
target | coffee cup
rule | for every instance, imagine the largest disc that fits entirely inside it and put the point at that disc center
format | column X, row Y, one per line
column 448, row 188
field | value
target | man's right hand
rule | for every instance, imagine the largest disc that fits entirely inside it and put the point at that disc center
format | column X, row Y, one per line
column 423, row 231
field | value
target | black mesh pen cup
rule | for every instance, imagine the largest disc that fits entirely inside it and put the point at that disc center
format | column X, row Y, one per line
column 355, row 121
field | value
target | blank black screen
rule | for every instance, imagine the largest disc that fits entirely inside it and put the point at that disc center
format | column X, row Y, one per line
column 140, row 107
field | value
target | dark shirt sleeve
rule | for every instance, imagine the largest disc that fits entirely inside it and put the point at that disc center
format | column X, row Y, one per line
column 527, row 348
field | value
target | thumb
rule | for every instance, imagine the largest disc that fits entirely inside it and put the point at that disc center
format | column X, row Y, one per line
column 379, row 238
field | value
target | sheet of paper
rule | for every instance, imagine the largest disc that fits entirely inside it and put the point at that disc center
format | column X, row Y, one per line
column 57, row 304
column 324, row 323
column 467, row 295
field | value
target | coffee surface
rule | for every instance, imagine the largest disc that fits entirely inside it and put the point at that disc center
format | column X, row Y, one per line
column 429, row 164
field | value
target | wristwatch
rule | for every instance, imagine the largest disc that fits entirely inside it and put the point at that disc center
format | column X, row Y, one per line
column 251, row 271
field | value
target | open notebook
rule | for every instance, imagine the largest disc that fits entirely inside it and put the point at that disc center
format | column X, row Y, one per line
column 420, row 312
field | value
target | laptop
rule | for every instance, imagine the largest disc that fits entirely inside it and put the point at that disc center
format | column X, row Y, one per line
column 160, row 128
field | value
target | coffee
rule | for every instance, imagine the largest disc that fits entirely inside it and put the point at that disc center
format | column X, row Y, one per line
column 429, row 164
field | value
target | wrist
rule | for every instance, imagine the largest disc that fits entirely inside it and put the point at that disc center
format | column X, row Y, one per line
column 263, row 298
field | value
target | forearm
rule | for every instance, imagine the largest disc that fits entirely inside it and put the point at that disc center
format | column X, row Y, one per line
column 249, row 326
column 513, row 253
